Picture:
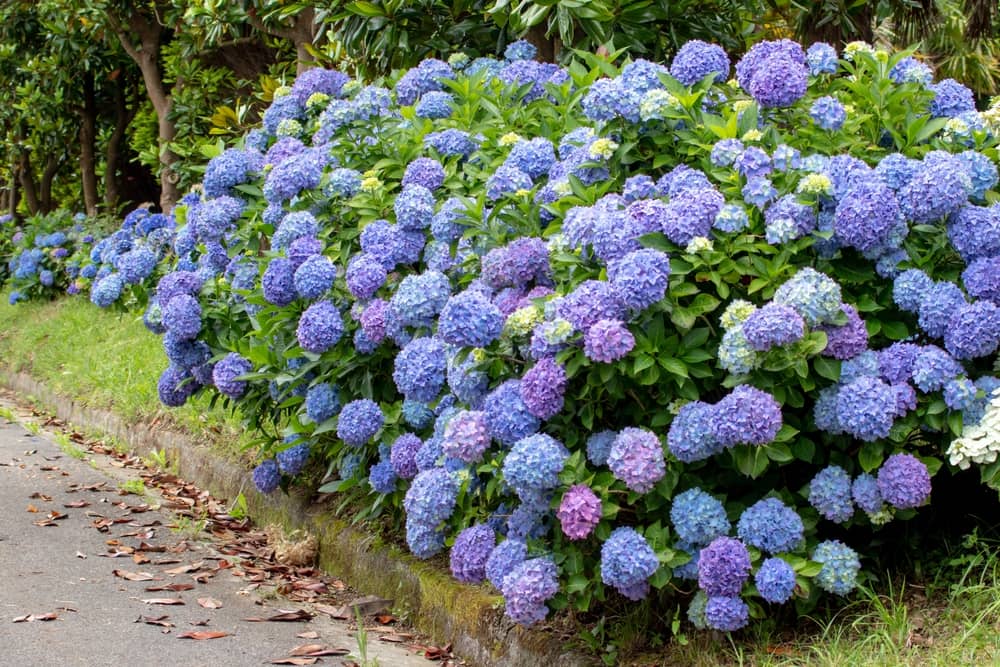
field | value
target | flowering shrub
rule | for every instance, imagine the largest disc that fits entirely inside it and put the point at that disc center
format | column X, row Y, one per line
column 592, row 333
column 43, row 255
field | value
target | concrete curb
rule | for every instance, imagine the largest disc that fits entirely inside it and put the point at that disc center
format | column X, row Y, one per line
column 467, row 616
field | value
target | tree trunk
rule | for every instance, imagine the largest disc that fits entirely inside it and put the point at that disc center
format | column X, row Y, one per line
column 113, row 155
column 547, row 47
column 45, row 186
column 301, row 34
column 27, row 175
column 147, row 56
column 14, row 189
column 88, row 162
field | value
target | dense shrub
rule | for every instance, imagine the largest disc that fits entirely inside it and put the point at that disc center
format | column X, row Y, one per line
column 44, row 254
column 598, row 333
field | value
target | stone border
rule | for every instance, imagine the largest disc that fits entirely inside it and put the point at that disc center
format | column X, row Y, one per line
column 467, row 616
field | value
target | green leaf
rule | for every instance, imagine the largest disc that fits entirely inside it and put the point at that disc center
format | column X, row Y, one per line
column 871, row 455
column 367, row 9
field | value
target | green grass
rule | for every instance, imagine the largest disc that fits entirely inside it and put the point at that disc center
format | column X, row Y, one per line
column 104, row 360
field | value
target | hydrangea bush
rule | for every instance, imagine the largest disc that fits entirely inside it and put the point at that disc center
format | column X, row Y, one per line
column 595, row 330
column 43, row 255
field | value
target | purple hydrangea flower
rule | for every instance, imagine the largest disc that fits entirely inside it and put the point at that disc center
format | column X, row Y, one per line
column 542, row 388
column 279, row 282
column 773, row 325
column 182, row 316
column 939, row 187
column 950, row 99
column 503, row 559
column 175, row 386
column 320, row 327
column 607, row 341
column 778, row 81
column 866, row 216
column 933, row 367
column 640, row 278
column 636, row 458
column 403, row 455
column 691, row 213
column 723, row 567
column 591, row 301
column 470, row 552
column 466, row 437
column 747, row 415
column 431, row 497
column 904, row 481
column 414, row 207
column 527, row 587
column 865, row 493
column 866, row 408
column 973, row 331
column 579, row 512
column 266, row 476
column 697, row 59
column 847, row 340
column 726, row 614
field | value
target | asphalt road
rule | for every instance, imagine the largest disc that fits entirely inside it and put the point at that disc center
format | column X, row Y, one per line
column 63, row 569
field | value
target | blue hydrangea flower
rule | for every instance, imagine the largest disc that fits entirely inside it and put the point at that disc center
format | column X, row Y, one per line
column 865, row 493
column 359, row 421
column 467, row 383
column 636, row 458
column 940, row 301
column 470, row 553
column 291, row 461
column 960, row 394
column 911, row 70
column 691, row 213
column 771, row 526
column 775, row 581
column 322, row 402
column 640, row 278
column 507, row 417
column 828, row 113
column 939, row 187
column 423, row 539
column 839, row 574
column 909, row 289
column 830, row 494
column 320, row 327
column 382, row 477
column 470, row 319
column 825, row 410
column 419, row 298
column 424, row 171
column 534, row 464
column 814, row 295
column 106, row 290
column 697, row 59
column 973, row 331
column 403, row 455
column 451, row 143
column 726, row 151
column 627, row 562
column 534, row 157
column 266, row 476
column 698, row 518
column 503, row 559
column 866, row 408
column 731, row 218
column 599, row 447
column 435, row 104
column 420, row 369
column 904, row 481
column 723, row 567
column 847, row 340
column 691, row 437
column 753, row 162
column 639, row 186
column 182, row 316
column 414, row 207
column 866, row 216
column 610, row 98
column 314, row 277
column 175, row 386
column 507, row 180
column 227, row 370
column 822, row 59
column 591, row 301
column 982, row 278
column 759, row 192
column 982, row 172
column 726, row 614
column 778, row 82
column 950, row 99
column 933, row 368
column 974, row 231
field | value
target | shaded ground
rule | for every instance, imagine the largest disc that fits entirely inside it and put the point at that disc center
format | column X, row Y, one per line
column 79, row 557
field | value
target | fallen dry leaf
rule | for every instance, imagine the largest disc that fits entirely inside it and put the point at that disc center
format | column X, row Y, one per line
column 317, row 650
column 199, row 623
column 294, row 661
column 155, row 620
column 210, row 603
column 339, row 613
column 385, row 619
column 135, row 576
column 32, row 509
column 28, row 618
column 41, row 496
column 294, row 615
column 77, row 504
column 183, row 569
column 202, row 634
column 173, row 588
column 311, row 634
column 168, row 601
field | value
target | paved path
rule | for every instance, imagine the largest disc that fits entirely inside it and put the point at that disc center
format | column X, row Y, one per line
column 63, row 570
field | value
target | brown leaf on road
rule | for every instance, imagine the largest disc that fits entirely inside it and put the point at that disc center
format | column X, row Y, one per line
column 176, row 601
column 32, row 509
column 41, row 496
column 202, row 634
column 183, row 569
column 385, row 619
column 135, row 576
column 140, row 559
column 316, row 650
column 155, row 620
column 338, row 613
column 294, row 661
column 174, row 588
column 210, row 603
column 28, row 618
column 150, row 548
column 77, row 504
column 202, row 577
column 293, row 615
column 311, row 634
column 199, row 623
